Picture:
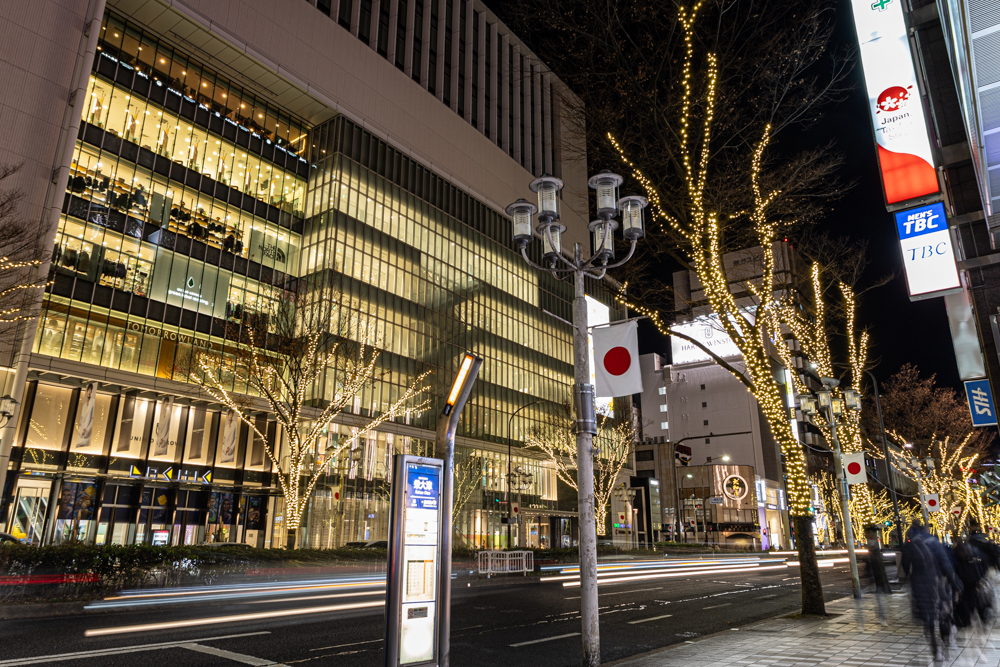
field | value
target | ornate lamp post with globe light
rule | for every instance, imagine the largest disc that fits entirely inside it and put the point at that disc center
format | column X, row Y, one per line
column 832, row 407
column 550, row 230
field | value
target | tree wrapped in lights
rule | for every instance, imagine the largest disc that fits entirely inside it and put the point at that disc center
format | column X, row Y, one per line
column 813, row 330
column 288, row 368
column 950, row 476
column 612, row 447
column 756, row 328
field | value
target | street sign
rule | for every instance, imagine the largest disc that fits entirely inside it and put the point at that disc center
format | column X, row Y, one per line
column 981, row 405
column 412, row 605
column 715, row 500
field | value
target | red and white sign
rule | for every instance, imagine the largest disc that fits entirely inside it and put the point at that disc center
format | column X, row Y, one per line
column 904, row 147
column 616, row 357
column 854, row 468
column 515, row 509
column 933, row 502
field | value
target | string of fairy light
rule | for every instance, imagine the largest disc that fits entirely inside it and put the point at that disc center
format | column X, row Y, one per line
column 290, row 406
column 703, row 235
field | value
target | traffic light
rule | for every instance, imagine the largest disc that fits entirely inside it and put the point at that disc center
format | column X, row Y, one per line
column 888, row 523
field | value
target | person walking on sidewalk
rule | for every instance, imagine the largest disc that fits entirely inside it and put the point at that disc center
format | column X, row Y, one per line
column 929, row 567
column 972, row 568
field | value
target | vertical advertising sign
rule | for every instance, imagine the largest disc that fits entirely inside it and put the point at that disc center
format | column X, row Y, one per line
column 981, row 405
column 414, row 564
column 928, row 254
column 904, row 147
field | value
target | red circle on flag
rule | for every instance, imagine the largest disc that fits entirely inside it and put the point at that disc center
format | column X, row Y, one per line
column 854, row 467
column 617, row 361
column 932, row 502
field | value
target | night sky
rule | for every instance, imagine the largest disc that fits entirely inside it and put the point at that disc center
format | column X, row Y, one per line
column 901, row 331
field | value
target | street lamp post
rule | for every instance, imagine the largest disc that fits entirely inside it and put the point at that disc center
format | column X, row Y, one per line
column 509, row 422
column 550, row 230
column 832, row 408
column 888, row 462
column 914, row 466
column 517, row 480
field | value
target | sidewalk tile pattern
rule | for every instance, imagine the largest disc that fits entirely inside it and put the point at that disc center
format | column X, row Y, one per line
column 852, row 637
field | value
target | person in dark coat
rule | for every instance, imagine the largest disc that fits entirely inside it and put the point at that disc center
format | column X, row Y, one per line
column 929, row 567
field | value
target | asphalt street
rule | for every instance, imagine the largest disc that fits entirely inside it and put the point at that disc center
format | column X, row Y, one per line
column 323, row 623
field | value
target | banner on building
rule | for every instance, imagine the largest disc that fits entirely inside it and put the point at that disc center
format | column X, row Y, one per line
column 85, row 421
column 981, row 405
column 616, row 352
column 897, row 114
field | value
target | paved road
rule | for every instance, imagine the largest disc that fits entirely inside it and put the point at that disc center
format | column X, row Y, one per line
column 516, row 625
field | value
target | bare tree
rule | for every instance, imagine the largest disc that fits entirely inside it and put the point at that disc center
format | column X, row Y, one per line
column 287, row 361
column 614, row 444
column 20, row 254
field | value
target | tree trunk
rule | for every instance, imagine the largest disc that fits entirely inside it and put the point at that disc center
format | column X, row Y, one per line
column 290, row 538
column 812, row 587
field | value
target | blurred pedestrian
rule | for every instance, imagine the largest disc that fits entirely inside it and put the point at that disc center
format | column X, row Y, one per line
column 971, row 567
column 932, row 578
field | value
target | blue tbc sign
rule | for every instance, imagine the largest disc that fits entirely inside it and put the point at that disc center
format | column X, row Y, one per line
column 981, row 403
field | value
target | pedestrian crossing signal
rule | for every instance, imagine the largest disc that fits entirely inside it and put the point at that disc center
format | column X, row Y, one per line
column 888, row 523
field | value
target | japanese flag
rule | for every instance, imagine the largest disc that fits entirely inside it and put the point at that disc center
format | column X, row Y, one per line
column 854, row 468
column 616, row 357
column 932, row 502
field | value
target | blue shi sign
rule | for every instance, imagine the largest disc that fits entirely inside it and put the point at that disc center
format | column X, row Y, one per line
column 422, row 487
column 928, row 255
column 981, row 403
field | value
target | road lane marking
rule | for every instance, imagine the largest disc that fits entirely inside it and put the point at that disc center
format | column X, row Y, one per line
column 547, row 639
column 766, row 597
column 326, row 648
column 229, row 655
column 60, row 657
column 646, row 620
column 718, row 605
column 260, row 616
column 638, row 590
column 317, row 597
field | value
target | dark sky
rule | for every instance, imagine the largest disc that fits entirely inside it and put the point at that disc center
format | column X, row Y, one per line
column 901, row 331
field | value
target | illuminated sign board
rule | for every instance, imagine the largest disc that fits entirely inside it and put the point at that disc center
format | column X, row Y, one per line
column 904, row 148
column 706, row 331
column 981, row 405
column 928, row 253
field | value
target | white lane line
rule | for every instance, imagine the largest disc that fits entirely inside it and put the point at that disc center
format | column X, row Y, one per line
column 547, row 639
column 602, row 594
column 60, row 657
column 718, row 605
column 316, row 597
column 646, row 620
column 229, row 619
column 229, row 655
column 766, row 597
column 325, row 648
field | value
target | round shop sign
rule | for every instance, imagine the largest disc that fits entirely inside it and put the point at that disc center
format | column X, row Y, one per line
column 735, row 487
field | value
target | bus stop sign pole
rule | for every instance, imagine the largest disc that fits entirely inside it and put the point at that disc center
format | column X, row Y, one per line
column 447, row 425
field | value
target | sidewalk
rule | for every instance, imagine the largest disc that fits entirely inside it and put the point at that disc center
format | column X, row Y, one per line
column 852, row 638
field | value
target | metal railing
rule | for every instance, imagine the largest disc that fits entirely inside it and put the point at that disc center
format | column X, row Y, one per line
column 506, row 562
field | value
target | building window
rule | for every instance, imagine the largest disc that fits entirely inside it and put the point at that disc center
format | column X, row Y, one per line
column 323, row 6
column 706, row 422
column 703, row 387
column 663, row 408
column 418, row 34
column 708, row 441
column 644, row 473
column 664, row 426
column 401, row 34
column 662, row 391
column 365, row 22
column 644, row 455
column 344, row 19
column 704, row 404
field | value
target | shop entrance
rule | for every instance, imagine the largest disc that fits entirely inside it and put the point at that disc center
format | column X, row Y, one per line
column 27, row 517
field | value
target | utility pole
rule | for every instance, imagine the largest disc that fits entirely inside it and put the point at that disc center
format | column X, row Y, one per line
column 888, row 462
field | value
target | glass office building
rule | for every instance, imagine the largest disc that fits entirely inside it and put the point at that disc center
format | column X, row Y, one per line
column 194, row 206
